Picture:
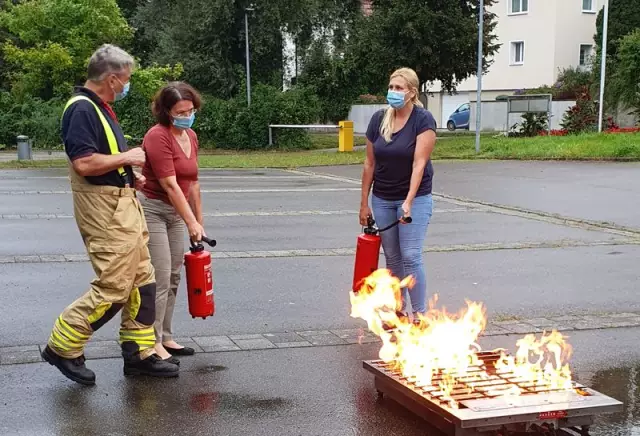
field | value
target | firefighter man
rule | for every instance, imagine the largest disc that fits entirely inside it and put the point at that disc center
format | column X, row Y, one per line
column 112, row 226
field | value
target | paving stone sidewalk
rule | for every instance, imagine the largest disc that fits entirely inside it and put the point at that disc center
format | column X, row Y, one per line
column 321, row 338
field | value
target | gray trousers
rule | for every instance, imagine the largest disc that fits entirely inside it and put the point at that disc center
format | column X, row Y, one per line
column 166, row 247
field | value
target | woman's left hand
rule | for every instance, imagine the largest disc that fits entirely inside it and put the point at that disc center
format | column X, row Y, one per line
column 140, row 180
column 406, row 208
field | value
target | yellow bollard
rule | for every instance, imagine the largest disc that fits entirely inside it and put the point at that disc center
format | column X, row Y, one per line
column 345, row 137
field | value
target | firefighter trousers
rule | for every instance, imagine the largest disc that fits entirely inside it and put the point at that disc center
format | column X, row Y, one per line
column 114, row 231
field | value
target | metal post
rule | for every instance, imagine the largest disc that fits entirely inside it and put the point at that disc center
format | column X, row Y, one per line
column 270, row 136
column 246, row 34
column 603, row 66
column 479, row 96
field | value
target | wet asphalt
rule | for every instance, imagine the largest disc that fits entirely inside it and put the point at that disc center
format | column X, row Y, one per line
column 477, row 253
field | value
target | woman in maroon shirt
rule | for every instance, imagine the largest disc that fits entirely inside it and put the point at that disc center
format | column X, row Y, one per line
column 171, row 199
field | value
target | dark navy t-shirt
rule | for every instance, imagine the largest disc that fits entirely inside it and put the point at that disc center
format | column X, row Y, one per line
column 394, row 159
column 83, row 135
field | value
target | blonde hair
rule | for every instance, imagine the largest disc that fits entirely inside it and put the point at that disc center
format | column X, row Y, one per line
column 409, row 76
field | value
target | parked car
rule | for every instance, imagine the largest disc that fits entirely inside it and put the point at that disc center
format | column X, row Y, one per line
column 459, row 119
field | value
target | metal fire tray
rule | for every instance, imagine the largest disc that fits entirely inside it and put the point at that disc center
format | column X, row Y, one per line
column 480, row 409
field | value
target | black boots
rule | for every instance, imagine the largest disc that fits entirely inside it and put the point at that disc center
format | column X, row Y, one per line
column 152, row 366
column 73, row 369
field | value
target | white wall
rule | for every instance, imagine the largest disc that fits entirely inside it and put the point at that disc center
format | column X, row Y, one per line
column 361, row 114
column 494, row 115
column 581, row 29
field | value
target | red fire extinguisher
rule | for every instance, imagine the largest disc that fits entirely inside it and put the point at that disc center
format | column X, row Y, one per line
column 197, row 262
column 368, row 250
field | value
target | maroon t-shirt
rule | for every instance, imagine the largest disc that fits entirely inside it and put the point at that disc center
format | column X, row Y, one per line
column 166, row 158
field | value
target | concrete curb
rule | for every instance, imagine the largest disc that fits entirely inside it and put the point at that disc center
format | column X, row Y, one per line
column 23, row 354
column 333, row 252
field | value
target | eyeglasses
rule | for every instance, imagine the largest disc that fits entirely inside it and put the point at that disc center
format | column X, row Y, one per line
column 185, row 113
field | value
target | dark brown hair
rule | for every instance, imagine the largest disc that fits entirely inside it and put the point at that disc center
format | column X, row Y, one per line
column 168, row 96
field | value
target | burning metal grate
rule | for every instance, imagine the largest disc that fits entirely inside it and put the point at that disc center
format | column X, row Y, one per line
column 479, row 402
column 434, row 366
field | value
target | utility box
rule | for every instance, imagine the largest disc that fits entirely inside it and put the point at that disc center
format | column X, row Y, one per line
column 24, row 148
column 345, row 136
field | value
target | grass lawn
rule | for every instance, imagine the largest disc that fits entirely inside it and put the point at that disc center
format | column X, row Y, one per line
column 621, row 146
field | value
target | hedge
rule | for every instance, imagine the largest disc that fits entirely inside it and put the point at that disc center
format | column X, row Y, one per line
column 229, row 124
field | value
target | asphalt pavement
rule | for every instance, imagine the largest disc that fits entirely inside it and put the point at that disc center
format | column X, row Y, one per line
column 528, row 240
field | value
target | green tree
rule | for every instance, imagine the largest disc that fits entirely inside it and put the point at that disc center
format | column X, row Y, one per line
column 625, row 79
column 51, row 40
column 624, row 17
column 437, row 38
column 207, row 37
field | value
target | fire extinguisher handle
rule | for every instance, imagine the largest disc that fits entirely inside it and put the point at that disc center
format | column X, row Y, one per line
column 211, row 242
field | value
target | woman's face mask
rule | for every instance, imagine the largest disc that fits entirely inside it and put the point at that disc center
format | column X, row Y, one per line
column 396, row 99
column 184, row 122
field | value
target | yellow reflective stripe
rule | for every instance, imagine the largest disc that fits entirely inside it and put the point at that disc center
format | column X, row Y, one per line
column 69, row 344
column 111, row 137
column 99, row 312
column 135, row 302
column 138, row 338
column 147, row 343
column 55, row 342
column 70, row 331
column 139, row 332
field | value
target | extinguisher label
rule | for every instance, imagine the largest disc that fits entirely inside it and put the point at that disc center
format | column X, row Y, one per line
column 210, row 292
column 207, row 273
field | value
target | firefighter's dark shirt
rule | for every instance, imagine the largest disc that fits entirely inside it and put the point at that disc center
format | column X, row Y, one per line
column 83, row 135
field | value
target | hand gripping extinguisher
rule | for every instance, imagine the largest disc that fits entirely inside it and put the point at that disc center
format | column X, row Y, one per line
column 368, row 250
column 197, row 262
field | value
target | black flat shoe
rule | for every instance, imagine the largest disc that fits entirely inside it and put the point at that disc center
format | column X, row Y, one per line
column 152, row 366
column 185, row 351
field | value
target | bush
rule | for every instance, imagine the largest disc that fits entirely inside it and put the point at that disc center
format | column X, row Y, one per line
column 223, row 124
column 232, row 125
column 532, row 124
column 570, row 85
column 581, row 117
column 33, row 117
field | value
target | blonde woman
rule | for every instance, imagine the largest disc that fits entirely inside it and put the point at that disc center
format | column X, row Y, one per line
column 400, row 140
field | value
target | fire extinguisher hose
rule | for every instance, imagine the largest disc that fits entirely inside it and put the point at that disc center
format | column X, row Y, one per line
column 403, row 219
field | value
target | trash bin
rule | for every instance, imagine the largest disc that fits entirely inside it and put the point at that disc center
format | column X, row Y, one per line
column 24, row 148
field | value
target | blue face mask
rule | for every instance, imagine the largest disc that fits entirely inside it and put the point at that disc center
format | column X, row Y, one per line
column 123, row 94
column 396, row 99
column 184, row 122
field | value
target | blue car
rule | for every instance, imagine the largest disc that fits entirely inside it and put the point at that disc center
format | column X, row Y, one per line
column 460, row 118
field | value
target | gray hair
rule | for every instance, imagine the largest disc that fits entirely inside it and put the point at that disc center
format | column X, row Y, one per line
column 108, row 59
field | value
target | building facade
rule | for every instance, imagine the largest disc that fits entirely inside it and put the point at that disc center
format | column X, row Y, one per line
column 539, row 38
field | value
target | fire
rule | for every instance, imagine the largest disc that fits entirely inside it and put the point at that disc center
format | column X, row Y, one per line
column 440, row 349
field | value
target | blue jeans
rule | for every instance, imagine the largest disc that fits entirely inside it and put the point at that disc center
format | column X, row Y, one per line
column 402, row 245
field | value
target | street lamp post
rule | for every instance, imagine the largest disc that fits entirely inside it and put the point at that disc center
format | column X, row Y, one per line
column 479, row 90
column 246, row 33
column 603, row 65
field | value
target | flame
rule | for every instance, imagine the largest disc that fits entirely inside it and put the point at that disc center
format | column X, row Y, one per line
column 442, row 348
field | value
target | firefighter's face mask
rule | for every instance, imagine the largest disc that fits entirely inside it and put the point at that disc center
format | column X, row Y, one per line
column 125, row 90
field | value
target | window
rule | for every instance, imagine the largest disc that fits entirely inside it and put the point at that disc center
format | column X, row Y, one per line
column 588, row 6
column 586, row 51
column 518, row 6
column 517, row 53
